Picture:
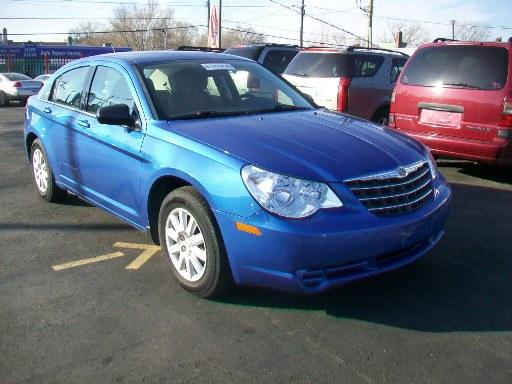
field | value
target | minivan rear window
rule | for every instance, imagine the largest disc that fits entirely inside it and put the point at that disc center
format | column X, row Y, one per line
column 473, row 67
column 319, row 64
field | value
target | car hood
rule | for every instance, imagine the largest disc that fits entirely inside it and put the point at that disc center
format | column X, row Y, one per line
column 314, row 145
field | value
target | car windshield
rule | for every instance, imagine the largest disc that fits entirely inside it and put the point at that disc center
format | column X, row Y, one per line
column 193, row 89
column 472, row 67
column 16, row 76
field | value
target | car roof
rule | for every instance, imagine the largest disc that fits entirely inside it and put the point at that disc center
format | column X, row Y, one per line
column 443, row 43
column 145, row 57
column 355, row 50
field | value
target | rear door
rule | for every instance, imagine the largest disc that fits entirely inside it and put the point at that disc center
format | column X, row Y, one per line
column 453, row 90
column 318, row 74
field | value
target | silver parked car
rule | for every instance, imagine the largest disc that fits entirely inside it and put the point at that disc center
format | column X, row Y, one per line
column 16, row 86
column 43, row 78
column 353, row 80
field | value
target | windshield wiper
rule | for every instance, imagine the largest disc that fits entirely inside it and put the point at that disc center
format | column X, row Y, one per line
column 282, row 108
column 462, row 85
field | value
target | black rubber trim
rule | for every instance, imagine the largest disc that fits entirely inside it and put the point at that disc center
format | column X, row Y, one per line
column 441, row 107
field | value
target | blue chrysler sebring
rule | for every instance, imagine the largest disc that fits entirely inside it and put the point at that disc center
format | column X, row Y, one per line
column 237, row 175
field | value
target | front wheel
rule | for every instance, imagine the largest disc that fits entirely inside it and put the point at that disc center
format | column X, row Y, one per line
column 43, row 175
column 193, row 244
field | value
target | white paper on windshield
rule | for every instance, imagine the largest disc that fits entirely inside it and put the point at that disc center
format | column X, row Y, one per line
column 218, row 67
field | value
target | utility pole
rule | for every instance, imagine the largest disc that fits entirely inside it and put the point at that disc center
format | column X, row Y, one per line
column 302, row 13
column 453, row 29
column 208, row 21
column 370, row 25
column 220, row 23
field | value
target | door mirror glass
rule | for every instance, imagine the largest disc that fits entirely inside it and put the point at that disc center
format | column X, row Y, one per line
column 117, row 114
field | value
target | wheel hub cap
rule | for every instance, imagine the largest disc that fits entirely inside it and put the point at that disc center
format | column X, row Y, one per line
column 186, row 245
column 40, row 170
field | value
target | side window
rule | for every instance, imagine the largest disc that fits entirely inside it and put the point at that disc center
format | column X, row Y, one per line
column 278, row 60
column 365, row 66
column 108, row 87
column 396, row 67
column 69, row 86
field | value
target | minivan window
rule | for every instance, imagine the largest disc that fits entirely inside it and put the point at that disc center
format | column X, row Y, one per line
column 68, row 87
column 365, row 65
column 318, row 64
column 278, row 60
column 396, row 67
column 108, row 87
column 474, row 67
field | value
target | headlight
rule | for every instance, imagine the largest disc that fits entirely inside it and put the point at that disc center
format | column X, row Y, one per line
column 287, row 196
column 432, row 164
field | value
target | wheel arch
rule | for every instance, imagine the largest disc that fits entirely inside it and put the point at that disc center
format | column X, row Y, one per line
column 160, row 188
column 31, row 137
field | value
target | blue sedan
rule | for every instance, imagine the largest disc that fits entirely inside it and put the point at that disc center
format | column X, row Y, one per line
column 238, row 176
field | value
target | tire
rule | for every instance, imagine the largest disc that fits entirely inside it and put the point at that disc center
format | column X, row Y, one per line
column 43, row 176
column 195, row 254
column 4, row 100
column 381, row 117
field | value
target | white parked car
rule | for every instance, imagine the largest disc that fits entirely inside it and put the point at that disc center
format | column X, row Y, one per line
column 43, row 78
column 16, row 86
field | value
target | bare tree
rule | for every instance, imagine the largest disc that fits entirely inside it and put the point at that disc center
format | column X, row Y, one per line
column 142, row 27
column 87, row 33
column 413, row 34
column 240, row 35
column 470, row 31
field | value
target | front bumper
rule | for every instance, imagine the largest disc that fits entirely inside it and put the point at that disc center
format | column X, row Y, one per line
column 331, row 247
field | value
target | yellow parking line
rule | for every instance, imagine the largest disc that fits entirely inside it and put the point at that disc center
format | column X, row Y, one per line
column 148, row 252
column 91, row 260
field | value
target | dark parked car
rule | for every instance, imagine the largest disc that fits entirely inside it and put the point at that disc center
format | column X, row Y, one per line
column 257, row 189
column 456, row 97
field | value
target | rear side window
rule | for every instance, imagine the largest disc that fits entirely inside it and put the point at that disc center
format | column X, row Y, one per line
column 319, row 64
column 475, row 67
column 68, row 87
column 278, row 60
column 396, row 67
column 108, row 87
column 365, row 65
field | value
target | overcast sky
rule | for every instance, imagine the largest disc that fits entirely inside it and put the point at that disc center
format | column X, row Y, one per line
column 268, row 17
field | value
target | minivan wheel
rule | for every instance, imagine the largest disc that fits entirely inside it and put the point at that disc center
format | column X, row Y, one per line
column 192, row 243
column 43, row 175
column 381, row 117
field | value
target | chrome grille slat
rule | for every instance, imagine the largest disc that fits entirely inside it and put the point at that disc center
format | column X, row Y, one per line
column 394, row 192
column 397, row 184
column 400, row 194
column 402, row 205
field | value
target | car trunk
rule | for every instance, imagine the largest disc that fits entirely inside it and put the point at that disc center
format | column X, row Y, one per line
column 323, row 90
column 30, row 83
column 454, row 91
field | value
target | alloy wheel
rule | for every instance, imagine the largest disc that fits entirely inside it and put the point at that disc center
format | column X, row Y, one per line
column 40, row 168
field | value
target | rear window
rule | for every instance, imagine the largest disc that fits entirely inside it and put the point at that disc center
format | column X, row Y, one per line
column 278, row 60
column 16, row 76
column 458, row 66
column 247, row 52
column 318, row 64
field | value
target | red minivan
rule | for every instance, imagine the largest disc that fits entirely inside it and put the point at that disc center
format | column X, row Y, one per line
column 456, row 97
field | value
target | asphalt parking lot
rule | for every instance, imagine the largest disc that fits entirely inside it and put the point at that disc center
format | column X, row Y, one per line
column 85, row 298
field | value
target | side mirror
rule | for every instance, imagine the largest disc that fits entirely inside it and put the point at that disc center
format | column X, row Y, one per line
column 310, row 99
column 117, row 114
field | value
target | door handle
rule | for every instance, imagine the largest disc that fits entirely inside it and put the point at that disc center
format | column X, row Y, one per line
column 47, row 110
column 84, row 123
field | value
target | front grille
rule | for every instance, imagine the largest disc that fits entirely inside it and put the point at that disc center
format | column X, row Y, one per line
column 396, row 192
